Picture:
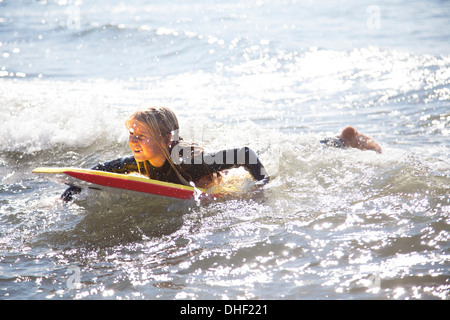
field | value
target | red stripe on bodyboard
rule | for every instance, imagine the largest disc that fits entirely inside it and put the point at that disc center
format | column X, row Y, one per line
column 167, row 191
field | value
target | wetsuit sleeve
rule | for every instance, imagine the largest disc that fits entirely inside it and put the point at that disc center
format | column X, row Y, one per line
column 122, row 165
column 335, row 142
column 68, row 194
column 235, row 158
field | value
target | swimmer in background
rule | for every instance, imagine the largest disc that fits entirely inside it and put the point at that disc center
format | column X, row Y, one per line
column 350, row 138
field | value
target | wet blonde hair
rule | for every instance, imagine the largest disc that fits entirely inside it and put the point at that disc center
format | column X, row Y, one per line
column 163, row 125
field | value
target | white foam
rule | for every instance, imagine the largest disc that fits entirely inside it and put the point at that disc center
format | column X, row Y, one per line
column 38, row 115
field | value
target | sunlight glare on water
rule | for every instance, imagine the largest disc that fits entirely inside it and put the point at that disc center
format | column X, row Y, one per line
column 274, row 76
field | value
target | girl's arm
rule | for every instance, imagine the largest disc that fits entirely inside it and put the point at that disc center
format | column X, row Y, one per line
column 235, row 158
column 122, row 165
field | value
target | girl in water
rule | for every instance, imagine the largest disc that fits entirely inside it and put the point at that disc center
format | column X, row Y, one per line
column 160, row 154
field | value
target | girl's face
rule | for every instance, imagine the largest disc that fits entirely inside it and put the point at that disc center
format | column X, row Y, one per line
column 142, row 144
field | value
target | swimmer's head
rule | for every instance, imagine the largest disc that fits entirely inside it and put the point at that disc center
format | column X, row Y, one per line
column 352, row 138
column 348, row 133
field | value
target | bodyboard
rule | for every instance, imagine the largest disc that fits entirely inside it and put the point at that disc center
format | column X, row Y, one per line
column 102, row 180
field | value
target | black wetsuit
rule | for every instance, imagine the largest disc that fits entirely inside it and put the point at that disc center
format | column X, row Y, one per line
column 193, row 169
column 335, row 142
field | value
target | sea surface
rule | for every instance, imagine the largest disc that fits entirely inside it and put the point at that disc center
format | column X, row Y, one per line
column 276, row 76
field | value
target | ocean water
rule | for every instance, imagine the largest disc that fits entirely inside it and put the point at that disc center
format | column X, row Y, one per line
column 276, row 76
